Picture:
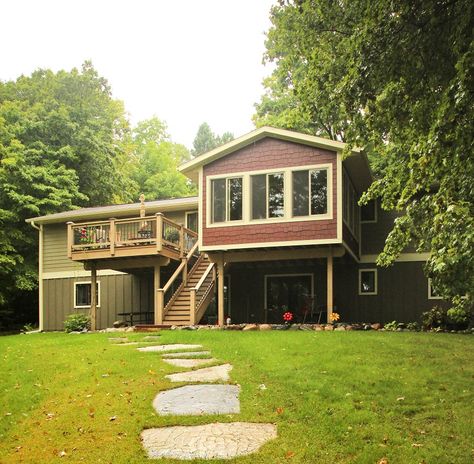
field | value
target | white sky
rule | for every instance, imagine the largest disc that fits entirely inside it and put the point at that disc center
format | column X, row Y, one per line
column 184, row 61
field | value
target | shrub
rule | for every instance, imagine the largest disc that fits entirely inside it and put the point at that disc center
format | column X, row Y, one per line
column 413, row 326
column 77, row 322
column 391, row 326
column 436, row 317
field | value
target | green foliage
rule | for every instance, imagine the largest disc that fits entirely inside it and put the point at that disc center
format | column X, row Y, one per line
column 434, row 318
column 77, row 323
column 206, row 140
column 391, row 326
column 154, row 163
column 413, row 326
column 61, row 147
column 396, row 78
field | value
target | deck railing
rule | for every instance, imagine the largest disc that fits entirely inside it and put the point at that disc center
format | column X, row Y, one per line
column 116, row 233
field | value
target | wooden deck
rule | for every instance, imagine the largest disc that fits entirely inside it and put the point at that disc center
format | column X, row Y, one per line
column 126, row 238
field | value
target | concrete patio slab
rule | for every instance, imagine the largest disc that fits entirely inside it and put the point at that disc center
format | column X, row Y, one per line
column 207, row 374
column 212, row 441
column 196, row 400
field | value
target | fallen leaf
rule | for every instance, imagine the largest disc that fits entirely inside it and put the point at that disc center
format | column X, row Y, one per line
column 279, row 410
column 62, row 454
column 383, row 461
column 289, row 454
column 151, row 372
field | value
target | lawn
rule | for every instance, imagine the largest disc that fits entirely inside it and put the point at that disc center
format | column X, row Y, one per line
column 336, row 397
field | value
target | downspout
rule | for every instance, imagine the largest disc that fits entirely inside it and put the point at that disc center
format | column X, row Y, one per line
column 40, row 276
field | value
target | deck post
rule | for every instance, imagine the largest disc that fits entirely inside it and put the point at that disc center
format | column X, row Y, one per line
column 192, row 307
column 330, row 298
column 181, row 242
column 159, row 232
column 93, row 296
column 158, row 297
column 220, row 292
column 112, row 236
column 70, row 239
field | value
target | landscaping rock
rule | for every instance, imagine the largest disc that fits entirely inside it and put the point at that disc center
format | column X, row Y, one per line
column 207, row 374
column 341, row 328
column 349, row 327
column 306, row 327
column 211, row 441
column 295, row 326
column 234, row 327
column 250, row 327
column 186, row 354
column 376, row 326
column 118, row 324
column 188, row 362
column 318, row 327
column 171, row 347
column 265, row 327
column 196, row 400
column 367, row 327
column 329, row 327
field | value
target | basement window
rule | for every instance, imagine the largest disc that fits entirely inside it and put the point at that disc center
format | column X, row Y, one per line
column 368, row 282
column 82, row 294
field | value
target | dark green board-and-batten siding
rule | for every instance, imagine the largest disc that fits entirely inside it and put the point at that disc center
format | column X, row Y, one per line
column 118, row 293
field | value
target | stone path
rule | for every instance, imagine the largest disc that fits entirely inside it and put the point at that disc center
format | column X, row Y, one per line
column 207, row 374
column 195, row 400
column 211, row 441
column 188, row 362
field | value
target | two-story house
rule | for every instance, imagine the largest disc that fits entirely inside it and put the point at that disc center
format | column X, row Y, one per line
column 276, row 227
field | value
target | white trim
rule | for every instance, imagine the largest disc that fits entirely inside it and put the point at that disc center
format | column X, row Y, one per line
column 40, row 280
column 259, row 134
column 375, row 292
column 84, row 283
column 288, row 243
column 287, row 192
column 430, row 292
column 78, row 274
column 339, row 195
column 402, row 258
column 186, row 214
column 375, row 213
column 200, row 216
column 296, row 274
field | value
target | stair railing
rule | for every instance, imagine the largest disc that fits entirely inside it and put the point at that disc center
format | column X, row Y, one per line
column 202, row 293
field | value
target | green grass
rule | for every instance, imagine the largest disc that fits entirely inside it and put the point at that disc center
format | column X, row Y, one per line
column 347, row 397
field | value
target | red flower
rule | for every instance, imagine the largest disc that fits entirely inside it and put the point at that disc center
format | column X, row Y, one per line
column 287, row 317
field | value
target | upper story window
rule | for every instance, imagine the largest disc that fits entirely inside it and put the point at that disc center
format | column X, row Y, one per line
column 350, row 208
column 227, row 199
column 368, row 212
column 268, row 195
column 290, row 194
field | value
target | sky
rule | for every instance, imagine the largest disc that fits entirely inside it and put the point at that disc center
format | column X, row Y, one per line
column 186, row 61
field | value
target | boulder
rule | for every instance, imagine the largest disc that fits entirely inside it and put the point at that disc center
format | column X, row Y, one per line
column 118, row 324
column 341, row 328
column 376, row 326
column 318, row 327
column 265, row 327
column 329, row 327
column 250, row 327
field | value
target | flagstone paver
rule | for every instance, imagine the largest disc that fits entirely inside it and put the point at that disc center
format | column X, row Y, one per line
column 211, row 441
column 186, row 354
column 189, row 362
column 207, row 374
column 171, row 347
column 118, row 340
column 152, row 338
column 196, row 400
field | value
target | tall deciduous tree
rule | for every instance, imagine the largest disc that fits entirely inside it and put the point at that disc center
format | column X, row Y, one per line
column 206, row 140
column 397, row 79
column 61, row 146
column 155, row 162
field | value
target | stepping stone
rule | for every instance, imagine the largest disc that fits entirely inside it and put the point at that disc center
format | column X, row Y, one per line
column 207, row 374
column 169, row 347
column 118, row 340
column 211, row 441
column 151, row 338
column 187, row 354
column 189, row 362
column 126, row 344
column 196, row 400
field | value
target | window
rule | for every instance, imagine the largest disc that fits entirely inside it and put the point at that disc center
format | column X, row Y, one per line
column 268, row 195
column 192, row 221
column 367, row 281
column 310, row 192
column 226, row 199
column 350, row 208
column 432, row 293
column 368, row 212
column 82, row 294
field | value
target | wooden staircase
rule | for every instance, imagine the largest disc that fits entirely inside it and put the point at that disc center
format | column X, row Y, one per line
column 190, row 301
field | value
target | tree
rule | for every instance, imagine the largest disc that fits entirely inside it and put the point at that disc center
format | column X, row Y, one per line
column 61, row 147
column 155, row 162
column 395, row 78
column 206, row 140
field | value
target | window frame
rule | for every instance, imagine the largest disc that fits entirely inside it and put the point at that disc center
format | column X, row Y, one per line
column 430, row 291
column 351, row 211
column 190, row 213
column 287, row 196
column 376, row 284
column 210, row 210
column 87, row 282
column 310, row 171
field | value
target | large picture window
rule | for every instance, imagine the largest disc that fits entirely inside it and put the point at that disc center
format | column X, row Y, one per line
column 82, row 294
column 227, row 199
column 310, row 192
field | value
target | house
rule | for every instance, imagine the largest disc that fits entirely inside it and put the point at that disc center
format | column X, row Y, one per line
column 276, row 227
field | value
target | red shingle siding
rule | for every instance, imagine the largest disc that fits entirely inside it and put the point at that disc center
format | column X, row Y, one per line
column 270, row 154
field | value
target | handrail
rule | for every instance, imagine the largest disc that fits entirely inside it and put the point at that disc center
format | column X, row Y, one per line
column 204, row 276
column 173, row 277
column 192, row 250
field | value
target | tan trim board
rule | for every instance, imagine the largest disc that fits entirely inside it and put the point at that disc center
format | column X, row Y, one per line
column 75, row 294
column 200, row 209
column 375, row 292
column 78, row 274
column 339, row 195
column 430, row 292
column 263, row 245
column 40, row 279
column 403, row 258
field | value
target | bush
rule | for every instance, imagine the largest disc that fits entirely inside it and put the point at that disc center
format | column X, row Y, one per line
column 435, row 318
column 391, row 326
column 77, row 323
column 413, row 326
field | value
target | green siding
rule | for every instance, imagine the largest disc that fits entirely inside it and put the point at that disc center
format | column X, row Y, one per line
column 55, row 250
